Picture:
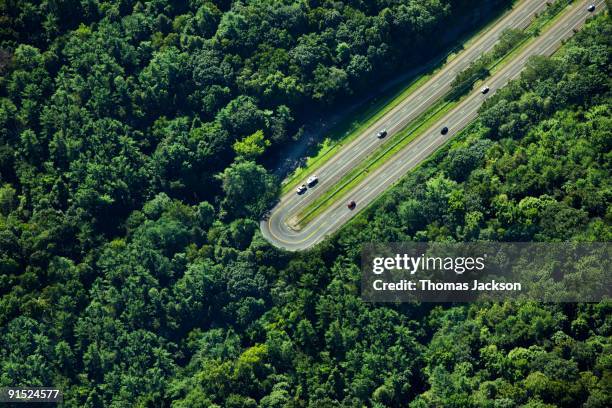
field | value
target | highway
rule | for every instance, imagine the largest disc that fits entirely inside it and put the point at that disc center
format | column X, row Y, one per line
column 418, row 102
column 279, row 226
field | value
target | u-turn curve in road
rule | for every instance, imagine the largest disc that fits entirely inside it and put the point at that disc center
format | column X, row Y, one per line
column 277, row 226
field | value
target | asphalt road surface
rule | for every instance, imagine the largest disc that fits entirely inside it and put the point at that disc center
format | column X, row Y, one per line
column 418, row 102
column 278, row 228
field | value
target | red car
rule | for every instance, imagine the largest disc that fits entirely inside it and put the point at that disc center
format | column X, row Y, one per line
column 351, row 205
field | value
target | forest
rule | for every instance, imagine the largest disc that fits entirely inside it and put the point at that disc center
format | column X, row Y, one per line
column 133, row 139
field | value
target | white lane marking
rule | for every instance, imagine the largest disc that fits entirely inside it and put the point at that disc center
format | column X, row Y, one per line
column 547, row 47
column 434, row 86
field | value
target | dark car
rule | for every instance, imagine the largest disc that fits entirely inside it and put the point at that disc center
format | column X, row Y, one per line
column 351, row 205
column 591, row 8
column 444, row 130
column 382, row 133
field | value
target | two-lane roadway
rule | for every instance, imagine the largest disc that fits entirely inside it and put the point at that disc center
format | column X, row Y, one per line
column 412, row 107
column 276, row 227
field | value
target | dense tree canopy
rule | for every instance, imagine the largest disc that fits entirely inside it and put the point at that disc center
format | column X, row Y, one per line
column 132, row 270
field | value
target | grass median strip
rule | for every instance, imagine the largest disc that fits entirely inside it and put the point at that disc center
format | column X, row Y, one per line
column 353, row 129
column 418, row 126
column 511, row 42
column 375, row 160
column 349, row 129
column 542, row 22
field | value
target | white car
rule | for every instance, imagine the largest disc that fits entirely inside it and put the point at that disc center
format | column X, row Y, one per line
column 301, row 189
column 382, row 133
column 312, row 180
column 484, row 90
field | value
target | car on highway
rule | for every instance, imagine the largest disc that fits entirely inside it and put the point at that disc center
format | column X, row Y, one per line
column 312, row 180
column 301, row 189
column 591, row 8
column 444, row 130
column 484, row 90
column 351, row 205
column 381, row 133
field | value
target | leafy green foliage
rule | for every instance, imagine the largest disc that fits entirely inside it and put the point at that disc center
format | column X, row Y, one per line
column 132, row 272
column 252, row 146
column 249, row 190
